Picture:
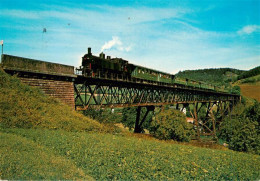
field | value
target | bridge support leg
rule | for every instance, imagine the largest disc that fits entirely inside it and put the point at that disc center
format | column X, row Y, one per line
column 196, row 121
column 213, row 119
column 138, row 123
column 223, row 110
column 137, row 126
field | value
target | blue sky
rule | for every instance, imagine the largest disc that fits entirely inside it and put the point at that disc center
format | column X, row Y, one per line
column 167, row 35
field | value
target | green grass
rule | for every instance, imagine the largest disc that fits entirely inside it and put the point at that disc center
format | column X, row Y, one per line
column 107, row 156
column 23, row 159
column 22, row 106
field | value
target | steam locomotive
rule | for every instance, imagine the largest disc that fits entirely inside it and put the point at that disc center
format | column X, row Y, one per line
column 120, row 69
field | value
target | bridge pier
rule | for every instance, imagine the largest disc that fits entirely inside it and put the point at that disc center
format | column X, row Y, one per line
column 196, row 120
column 138, row 123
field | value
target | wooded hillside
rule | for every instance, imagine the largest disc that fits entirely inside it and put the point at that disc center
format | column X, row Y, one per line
column 220, row 76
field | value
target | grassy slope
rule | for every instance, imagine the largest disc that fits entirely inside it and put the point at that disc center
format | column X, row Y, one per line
column 26, row 107
column 60, row 147
column 107, row 156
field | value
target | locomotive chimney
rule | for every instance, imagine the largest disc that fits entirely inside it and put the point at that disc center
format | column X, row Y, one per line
column 89, row 50
column 102, row 55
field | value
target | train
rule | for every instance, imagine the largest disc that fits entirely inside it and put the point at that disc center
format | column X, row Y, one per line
column 120, row 69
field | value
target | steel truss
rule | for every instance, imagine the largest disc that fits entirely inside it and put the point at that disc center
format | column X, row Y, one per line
column 100, row 93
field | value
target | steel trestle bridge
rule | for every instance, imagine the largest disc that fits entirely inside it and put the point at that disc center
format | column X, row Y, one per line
column 99, row 93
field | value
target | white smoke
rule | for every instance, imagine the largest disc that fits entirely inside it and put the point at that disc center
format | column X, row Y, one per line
column 115, row 42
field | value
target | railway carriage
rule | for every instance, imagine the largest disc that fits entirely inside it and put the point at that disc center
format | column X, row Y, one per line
column 118, row 68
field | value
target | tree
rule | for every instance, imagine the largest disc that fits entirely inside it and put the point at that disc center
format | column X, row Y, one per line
column 236, row 90
column 129, row 116
column 241, row 129
column 171, row 124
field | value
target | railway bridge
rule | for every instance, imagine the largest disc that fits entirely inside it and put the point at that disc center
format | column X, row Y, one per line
column 83, row 93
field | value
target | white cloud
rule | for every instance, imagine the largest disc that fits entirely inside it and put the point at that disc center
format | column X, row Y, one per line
column 248, row 29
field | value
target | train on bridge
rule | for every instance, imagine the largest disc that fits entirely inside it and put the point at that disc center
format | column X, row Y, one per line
column 120, row 69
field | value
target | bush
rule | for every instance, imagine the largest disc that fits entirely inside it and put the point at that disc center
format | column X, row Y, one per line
column 241, row 129
column 236, row 90
column 171, row 124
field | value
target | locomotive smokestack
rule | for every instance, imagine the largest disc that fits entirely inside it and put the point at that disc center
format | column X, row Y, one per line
column 89, row 50
column 102, row 55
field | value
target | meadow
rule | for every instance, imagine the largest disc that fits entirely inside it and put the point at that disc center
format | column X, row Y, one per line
column 59, row 154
